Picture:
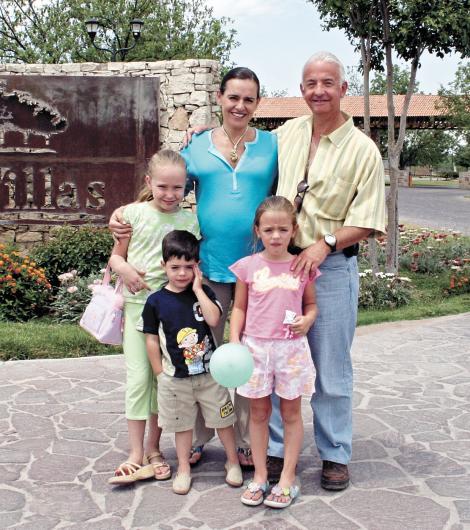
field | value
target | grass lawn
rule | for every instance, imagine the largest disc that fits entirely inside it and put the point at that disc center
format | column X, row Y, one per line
column 418, row 182
column 41, row 339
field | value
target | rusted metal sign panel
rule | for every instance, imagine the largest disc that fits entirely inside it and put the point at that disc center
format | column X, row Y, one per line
column 73, row 148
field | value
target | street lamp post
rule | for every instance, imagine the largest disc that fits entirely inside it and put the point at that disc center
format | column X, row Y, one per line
column 92, row 27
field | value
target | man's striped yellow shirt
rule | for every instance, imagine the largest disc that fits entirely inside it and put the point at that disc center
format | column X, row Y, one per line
column 346, row 179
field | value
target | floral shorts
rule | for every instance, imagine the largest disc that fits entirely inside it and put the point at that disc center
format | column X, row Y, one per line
column 282, row 365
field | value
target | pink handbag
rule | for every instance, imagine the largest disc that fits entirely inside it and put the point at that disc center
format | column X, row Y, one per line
column 103, row 317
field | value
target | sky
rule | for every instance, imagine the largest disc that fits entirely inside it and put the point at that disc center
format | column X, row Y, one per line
column 278, row 36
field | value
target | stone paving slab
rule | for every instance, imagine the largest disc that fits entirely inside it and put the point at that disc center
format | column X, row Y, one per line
column 63, row 433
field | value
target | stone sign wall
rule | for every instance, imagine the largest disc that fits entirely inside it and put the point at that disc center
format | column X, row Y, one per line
column 464, row 180
column 187, row 97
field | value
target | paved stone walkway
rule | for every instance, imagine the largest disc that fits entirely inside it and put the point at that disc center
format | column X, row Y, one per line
column 63, row 432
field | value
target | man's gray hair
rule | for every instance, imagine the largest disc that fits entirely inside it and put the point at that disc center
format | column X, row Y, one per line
column 326, row 57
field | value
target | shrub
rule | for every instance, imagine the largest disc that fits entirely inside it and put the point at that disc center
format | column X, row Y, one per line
column 459, row 279
column 383, row 290
column 24, row 288
column 73, row 295
column 85, row 249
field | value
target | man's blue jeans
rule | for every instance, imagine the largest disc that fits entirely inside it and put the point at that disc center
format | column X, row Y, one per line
column 330, row 340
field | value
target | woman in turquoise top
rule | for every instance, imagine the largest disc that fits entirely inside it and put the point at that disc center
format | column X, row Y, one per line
column 233, row 168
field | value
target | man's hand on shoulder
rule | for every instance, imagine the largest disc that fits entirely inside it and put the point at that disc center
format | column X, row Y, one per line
column 310, row 259
column 197, row 129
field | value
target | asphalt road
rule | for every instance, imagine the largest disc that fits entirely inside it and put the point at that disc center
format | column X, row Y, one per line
column 440, row 208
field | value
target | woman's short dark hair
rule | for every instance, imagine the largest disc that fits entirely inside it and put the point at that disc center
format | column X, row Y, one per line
column 240, row 72
column 180, row 244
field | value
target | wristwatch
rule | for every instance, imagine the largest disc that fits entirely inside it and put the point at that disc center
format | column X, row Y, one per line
column 330, row 240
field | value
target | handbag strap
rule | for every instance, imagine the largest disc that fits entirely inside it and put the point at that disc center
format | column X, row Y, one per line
column 107, row 275
column 107, row 280
column 119, row 285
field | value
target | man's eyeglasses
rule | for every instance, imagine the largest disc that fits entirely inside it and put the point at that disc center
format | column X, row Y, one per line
column 302, row 188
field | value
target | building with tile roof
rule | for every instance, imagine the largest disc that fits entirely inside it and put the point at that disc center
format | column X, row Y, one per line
column 425, row 111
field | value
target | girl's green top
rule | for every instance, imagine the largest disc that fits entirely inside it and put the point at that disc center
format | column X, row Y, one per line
column 149, row 227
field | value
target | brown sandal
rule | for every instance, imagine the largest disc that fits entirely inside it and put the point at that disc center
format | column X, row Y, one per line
column 158, row 465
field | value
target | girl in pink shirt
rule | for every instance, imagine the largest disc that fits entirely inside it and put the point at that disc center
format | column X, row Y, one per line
column 272, row 312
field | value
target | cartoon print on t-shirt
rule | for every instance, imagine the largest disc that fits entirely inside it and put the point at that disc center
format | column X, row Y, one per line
column 193, row 351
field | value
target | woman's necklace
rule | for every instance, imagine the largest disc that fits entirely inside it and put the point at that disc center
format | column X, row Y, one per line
column 233, row 152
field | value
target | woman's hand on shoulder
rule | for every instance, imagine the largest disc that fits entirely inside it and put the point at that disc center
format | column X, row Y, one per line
column 118, row 227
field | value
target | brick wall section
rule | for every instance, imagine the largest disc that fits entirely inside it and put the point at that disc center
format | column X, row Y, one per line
column 187, row 97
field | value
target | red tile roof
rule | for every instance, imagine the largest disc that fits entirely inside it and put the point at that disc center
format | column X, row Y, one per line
column 292, row 107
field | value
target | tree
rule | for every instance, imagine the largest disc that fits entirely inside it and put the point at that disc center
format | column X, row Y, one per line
column 359, row 20
column 426, row 148
column 53, row 31
column 410, row 29
column 355, row 83
column 401, row 79
column 456, row 101
column 406, row 29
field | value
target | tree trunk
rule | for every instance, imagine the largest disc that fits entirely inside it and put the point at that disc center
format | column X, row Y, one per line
column 392, row 211
column 391, row 264
column 366, row 61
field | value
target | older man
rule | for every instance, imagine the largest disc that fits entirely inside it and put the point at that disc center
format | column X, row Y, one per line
column 334, row 173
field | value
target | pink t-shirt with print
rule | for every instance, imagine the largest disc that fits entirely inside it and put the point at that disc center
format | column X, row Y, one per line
column 272, row 289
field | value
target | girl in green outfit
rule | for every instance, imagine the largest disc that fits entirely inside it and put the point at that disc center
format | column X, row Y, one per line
column 138, row 261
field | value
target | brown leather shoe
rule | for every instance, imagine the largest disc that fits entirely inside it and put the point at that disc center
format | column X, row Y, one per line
column 334, row 476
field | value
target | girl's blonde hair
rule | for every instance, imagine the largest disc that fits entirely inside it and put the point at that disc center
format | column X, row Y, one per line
column 165, row 157
column 274, row 203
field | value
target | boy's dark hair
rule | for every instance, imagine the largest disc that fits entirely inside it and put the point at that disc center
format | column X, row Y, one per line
column 180, row 244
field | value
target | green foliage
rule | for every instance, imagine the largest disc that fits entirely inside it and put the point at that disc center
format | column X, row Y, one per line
column 72, row 296
column 85, row 249
column 462, row 156
column 426, row 147
column 33, row 30
column 360, row 20
column 401, row 79
column 456, row 101
column 24, row 288
column 383, row 291
column 457, row 97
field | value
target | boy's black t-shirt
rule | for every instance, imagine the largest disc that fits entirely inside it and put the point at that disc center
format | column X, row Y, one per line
column 186, row 341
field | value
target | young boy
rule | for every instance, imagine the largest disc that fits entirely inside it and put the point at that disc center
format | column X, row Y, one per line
column 179, row 345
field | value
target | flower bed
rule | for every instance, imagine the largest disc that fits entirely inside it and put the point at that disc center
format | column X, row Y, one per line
column 383, row 290
column 24, row 288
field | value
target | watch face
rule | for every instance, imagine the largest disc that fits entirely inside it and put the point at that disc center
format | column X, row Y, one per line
column 330, row 240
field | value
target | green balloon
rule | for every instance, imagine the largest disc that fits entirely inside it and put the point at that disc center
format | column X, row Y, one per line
column 231, row 365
